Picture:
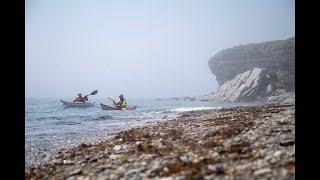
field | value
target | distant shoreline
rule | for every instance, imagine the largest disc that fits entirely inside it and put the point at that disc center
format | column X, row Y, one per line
column 243, row 142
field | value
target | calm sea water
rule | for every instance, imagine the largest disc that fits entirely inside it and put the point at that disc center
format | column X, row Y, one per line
column 50, row 127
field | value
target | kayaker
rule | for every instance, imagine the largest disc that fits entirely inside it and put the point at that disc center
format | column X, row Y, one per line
column 80, row 98
column 121, row 102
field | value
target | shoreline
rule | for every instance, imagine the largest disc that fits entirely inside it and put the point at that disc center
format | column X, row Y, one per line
column 245, row 142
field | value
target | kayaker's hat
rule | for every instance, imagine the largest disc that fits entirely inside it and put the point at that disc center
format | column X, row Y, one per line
column 121, row 95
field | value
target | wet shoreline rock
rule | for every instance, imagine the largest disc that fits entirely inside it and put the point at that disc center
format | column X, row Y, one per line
column 230, row 143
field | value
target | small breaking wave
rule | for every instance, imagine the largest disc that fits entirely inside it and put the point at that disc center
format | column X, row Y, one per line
column 184, row 109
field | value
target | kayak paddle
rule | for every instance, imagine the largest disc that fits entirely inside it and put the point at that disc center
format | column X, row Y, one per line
column 93, row 92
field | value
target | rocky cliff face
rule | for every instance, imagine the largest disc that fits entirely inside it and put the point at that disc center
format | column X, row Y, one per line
column 264, row 71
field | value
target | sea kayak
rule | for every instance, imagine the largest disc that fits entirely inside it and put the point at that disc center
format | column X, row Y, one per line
column 77, row 104
column 105, row 107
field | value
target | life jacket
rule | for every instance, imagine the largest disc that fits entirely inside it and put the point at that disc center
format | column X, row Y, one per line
column 122, row 103
column 82, row 99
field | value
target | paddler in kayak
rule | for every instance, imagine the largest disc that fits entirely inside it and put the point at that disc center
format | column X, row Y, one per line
column 121, row 102
column 80, row 98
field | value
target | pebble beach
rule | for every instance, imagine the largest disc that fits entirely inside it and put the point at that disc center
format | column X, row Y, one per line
column 245, row 142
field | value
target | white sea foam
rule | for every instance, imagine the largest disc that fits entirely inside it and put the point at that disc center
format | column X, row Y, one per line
column 184, row 109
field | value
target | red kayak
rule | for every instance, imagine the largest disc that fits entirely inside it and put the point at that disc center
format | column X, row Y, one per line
column 105, row 107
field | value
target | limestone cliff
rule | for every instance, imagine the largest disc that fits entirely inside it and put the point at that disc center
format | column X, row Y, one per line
column 263, row 71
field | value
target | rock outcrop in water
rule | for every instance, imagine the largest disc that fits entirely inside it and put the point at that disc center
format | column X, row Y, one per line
column 276, row 55
column 263, row 72
column 255, row 72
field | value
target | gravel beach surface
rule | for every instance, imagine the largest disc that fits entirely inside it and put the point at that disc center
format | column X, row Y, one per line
column 246, row 142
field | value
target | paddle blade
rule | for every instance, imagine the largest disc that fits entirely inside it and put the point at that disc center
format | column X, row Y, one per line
column 94, row 92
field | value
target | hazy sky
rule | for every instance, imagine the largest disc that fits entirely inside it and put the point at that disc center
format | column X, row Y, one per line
column 140, row 48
